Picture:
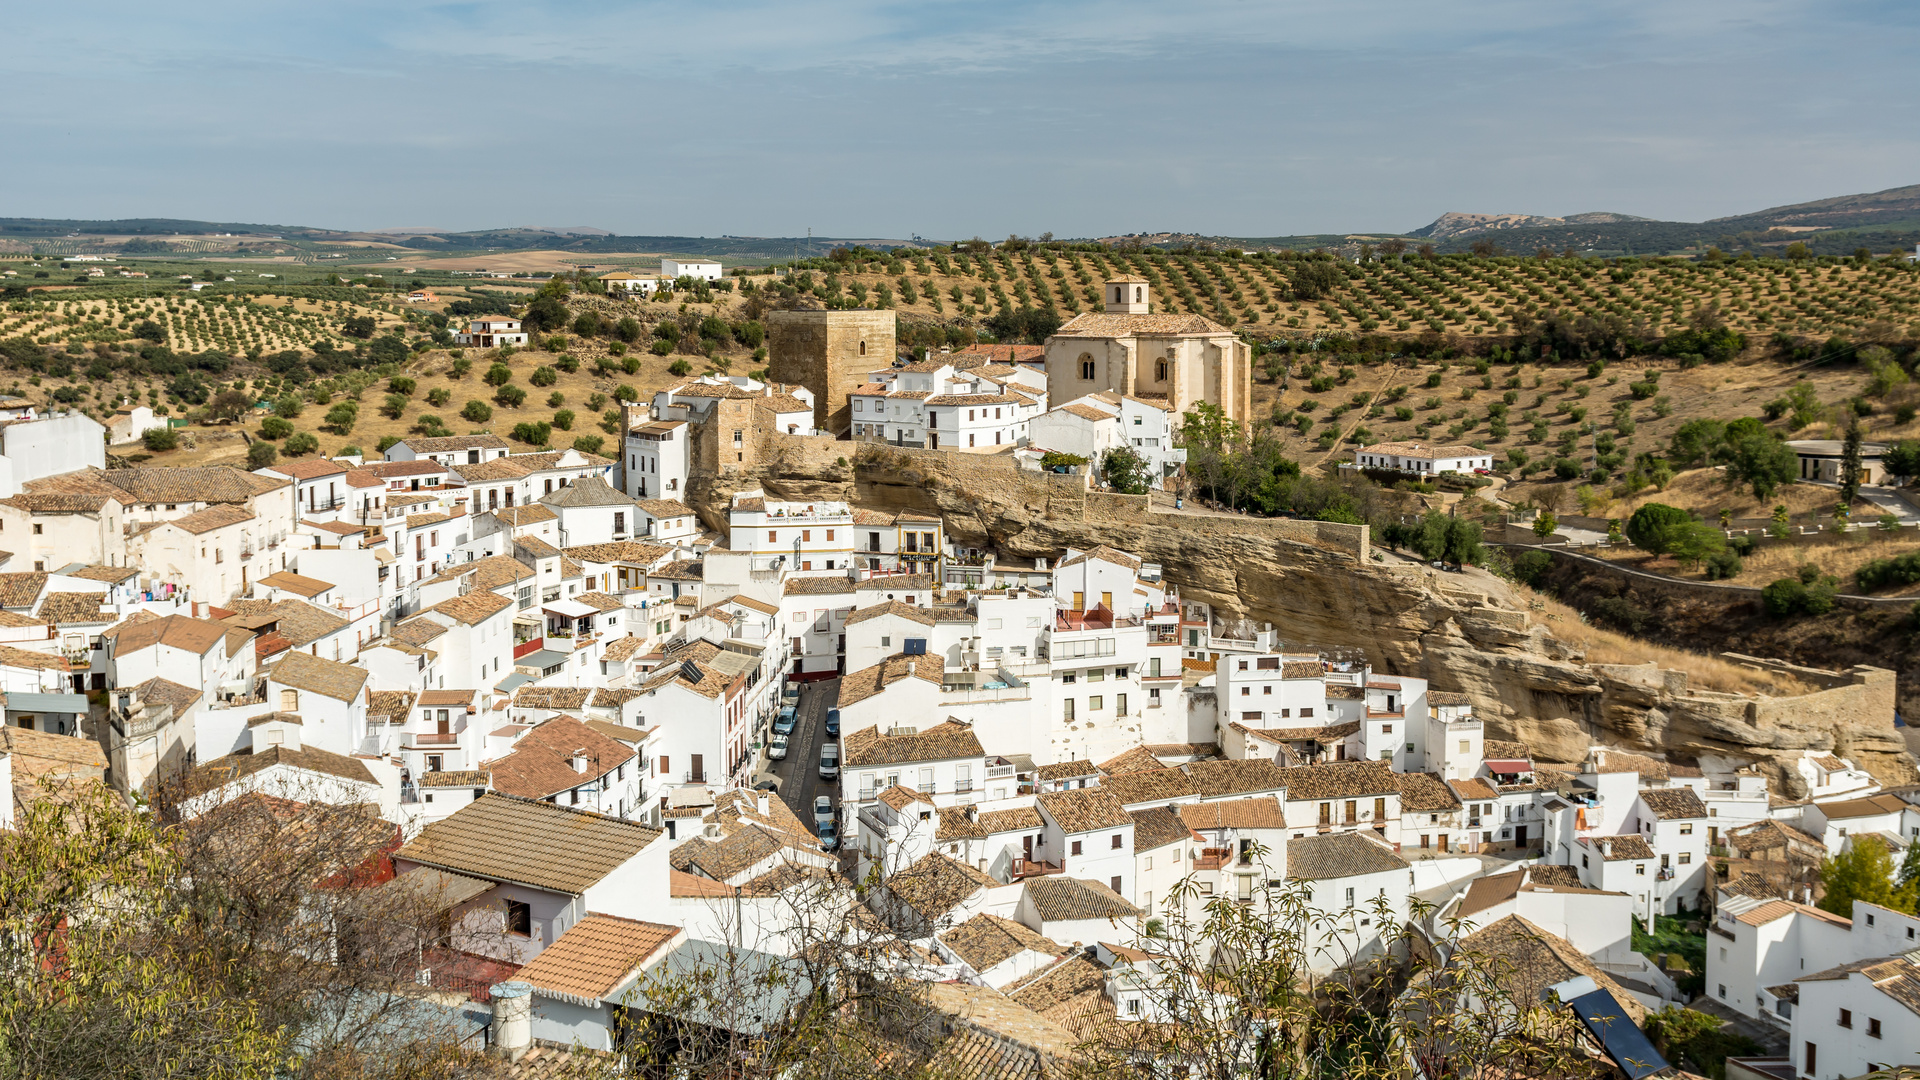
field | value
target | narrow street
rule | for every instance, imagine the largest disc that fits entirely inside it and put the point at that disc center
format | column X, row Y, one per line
column 800, row 773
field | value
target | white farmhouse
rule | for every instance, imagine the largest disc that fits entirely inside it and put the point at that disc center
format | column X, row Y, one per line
column 1424, row 460
column 491, row 331
column 698, row 269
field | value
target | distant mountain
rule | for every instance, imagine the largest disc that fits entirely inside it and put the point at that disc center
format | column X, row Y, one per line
column 56, row 227
column 1894, row 206
column 1450, row 225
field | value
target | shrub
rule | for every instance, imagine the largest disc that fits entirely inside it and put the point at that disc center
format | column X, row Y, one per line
column 160, row 438
column 301, row 442
column 1566, row 468
column 1889, row 573
column 589, row 444
column 625, row 392
column 478, row 412
column 533, row 433
column 340, row 419
column 439, row 396
column 274, row 427
column 563, row 419
column 388, row 442
column 627, row 329
column 499, row 375
column 680, row 367
column 1530, row 566
column 567, row 364
column 461, row 366
column 400, row 384
column 662, row 347
column 261, row 454
column 289, row 407
column 1742, row 545
column 556, row 399
column 1723, row 564
column 510, row 396
column 395, row 406
column 543, row 376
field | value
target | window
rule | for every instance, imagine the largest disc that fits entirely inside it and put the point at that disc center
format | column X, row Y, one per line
column 1640, row 868
column 1686, row 830
column 1066, row 709
column 289, row 701
column 519, row 919
column 1116, row 841
column 1114, row 883
column 1349, row 898
column 1873, row 1028
column 1120, row 704
column 1466, row 746
column 1096, row 703
column 1846, row 1018
column 1076, row 847
column 1086, row 369
column 1810, row 1071
column 1306, row 713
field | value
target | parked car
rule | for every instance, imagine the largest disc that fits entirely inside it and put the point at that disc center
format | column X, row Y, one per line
column 830, row 761
column 833, row 723
column 822, row 809
column 829, row 836
column 771, row 783
column 783, row 724
column 1483, row 472
column 777, row 749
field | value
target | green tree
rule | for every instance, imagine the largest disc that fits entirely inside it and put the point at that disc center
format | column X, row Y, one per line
column 1903, row 458
column 395, row 406
column 1654, row 527
column 439, row 396
column 229, row 405
column 289, row 406
column 300, row 443
column 1694, row 541
column 1759, row 459
column 511, row 396
column 589, row 444
column 1695, row 441
column 261, row 454
column 1850, row 464
column 1781, row 525
column 563, row 419
column 340, row 419
column 1545, row 524
column 275, row 428
column 400, row 384
column 1125, row 471
column 160, row 439
column 477, row 412
column 499, row 375
column 1862, row 872
column 543, row 376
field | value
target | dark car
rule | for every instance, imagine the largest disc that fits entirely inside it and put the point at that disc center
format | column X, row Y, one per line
column 829, row 836
column 783, row 724
column 833, row 723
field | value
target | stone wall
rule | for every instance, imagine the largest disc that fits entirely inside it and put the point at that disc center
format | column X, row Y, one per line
column 829, row 353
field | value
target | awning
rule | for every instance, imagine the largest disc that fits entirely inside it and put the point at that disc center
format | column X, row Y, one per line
column 542, row 660
column 441, row 888
column 1510, row 765
column 572, row 609
column 46, row 703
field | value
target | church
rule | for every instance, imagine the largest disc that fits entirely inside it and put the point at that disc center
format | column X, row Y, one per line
column 1170, row 360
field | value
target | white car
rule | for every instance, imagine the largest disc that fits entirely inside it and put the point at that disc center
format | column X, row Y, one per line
column 777, row 749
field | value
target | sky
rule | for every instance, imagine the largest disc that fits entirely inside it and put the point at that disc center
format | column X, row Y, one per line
column 859, row 118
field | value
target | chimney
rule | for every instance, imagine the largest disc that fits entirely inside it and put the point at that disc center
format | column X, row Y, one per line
column 711, row 831
column 579, row 761
column 512, row 1019
column 1606, row 849
column 910, row 664
column 764, row 804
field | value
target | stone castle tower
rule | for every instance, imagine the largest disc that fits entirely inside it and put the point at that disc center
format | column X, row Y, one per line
column 829, row 353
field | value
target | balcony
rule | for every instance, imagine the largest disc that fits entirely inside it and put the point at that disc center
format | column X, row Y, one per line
column 436, row 739
column 1026, row 868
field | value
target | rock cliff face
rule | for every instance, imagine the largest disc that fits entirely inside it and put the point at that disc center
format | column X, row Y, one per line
column 1456, row 630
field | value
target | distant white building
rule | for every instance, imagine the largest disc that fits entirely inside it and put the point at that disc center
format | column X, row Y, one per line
column 130, row 424
column 48, row 446
column 1415, row 458
column 621, row 281
column 1095, row 425
column 1822, row 459
column 491, row 331
column 700, row 269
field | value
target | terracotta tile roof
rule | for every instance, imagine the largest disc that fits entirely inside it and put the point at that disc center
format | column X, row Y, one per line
column 533, row 843
column 1502, row 749
column 10, row 618
column 1104, row 325
column 1872, row 805
column 213, row 517
column 1071, row 991
column 1468, row 789
column 1066, row 770
column 21, row 590
column 1619, row 761
column 958, row 823
column 1139, row 759
column 225, row 770
column 1061, row 898
column 1151, row 786
column 1017, row 819
column 178, row 631
column 158, row 691
column 1157, row 827
column 552, row 697
column 1256, row 813
column 492, row 572
column 1424, row 453
column 492, row 471
column 620, row 650
column 1339, row 854
column 598, row 601
column 1083, row 810
column 1104, row 553
column 1329, row 733
column 1780, row 909
column 299, row 584
column 935, row 885
column 899, row 796
column 737, row 852
column 298, row 621
column 860, row 685
column 417, row 632
column 342, row 682
column 1533, row 960
column 393, row 703
column 1425, row 793
column 682, row 884
column 530, row 514
column 480, row 778
column 632, row 736
column 63, row 608
column 1340, row 780
column 863, row 516
column 1626, row 847
column 910, row 612
column 361, row 478
column 112, row 575
column 664, row 508
column 895, row 582
column 535, row 547
column 309, row 469
column 1768, row 834
column 1442, row 697
column 1673, row 803
column 679, row 570
column 449, row 443
column 475, row 607
column 206, row 484
column 816, row 586
column 985, row 941
column 38, row 754
column 620, row 551
column 943, row 742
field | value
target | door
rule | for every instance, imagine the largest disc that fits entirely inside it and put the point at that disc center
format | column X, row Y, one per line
column 1520, row 835
column 1443, row 841
column 1026, row 848
column 699, row 768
